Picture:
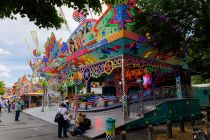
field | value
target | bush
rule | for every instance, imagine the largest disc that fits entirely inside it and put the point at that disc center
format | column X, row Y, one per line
column 200, row 80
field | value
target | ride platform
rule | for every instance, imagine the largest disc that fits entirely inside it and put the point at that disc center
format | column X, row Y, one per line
column 168, row 109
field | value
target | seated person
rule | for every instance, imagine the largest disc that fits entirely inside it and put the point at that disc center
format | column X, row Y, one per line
column 78, row 125
column 86, row 123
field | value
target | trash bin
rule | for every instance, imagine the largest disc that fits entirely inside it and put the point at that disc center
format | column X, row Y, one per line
column 110, row 129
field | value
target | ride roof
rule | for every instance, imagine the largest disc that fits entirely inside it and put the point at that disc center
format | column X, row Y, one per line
column 115, row 33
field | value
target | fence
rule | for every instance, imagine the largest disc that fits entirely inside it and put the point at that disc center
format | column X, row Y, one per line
column 145, row 101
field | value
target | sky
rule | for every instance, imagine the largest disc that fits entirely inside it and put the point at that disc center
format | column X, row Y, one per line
column 14, row 51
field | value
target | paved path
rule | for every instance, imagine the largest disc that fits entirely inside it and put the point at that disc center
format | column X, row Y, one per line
column 28, row 128
column 32, row 128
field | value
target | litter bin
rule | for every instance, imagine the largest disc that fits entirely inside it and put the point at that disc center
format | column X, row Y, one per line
column 110, row 129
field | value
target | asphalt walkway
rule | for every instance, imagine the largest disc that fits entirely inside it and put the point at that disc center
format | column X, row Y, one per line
column 28, row 128
column 32, row 128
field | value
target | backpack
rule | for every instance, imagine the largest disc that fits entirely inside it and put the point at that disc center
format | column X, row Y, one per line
column 59, row 117
column 88, row 123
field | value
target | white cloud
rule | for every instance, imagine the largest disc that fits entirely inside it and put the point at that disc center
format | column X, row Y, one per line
column 18, row 68
column 9, row 85
column 2, row 51
column 6, row 41
column 4, row 72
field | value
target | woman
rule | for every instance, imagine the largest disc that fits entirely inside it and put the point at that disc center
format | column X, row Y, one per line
column 62, row 124
column 17, row 110
column 78, row 125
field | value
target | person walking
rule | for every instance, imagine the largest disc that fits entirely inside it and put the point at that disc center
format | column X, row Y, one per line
column 62, row 123
column 17, row 110
column 9, row 105
column 1, row 106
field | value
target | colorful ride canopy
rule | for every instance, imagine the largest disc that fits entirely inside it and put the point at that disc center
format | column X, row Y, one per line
column 113, row 34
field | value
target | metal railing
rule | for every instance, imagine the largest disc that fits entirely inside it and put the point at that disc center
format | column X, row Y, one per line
column 150, row 100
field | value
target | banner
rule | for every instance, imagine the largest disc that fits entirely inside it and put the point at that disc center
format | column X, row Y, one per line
column 35, row 38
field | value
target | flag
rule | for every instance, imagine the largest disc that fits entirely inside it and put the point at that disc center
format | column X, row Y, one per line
column 29, row 48
column 35, row 38
column 65, row 21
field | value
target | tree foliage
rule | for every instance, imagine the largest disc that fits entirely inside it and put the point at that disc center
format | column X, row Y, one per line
column 43, row 12
column 2, row 88
column 198, row 79
column 189, row 20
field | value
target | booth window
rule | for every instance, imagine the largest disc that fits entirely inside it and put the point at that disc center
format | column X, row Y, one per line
column 205, row 91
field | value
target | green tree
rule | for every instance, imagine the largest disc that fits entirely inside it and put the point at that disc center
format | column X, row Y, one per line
column 207, row 81
column 197, row 79
column 2, row 88
column 43, row 12
column 190, row 19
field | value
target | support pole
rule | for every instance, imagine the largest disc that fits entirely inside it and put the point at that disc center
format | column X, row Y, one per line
column 169, row 129
column 66, row 86
column 29, row 102
column 150, row 133
column 181, row 125
column 208, row 114
column 123, row 135
column 43, row 99
column 142, row 103
column 192, row 120
column 124, row 97
column 75, row 101
column 178, row 83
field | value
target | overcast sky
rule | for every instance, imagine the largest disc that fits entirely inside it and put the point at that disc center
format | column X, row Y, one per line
column 13, row 48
